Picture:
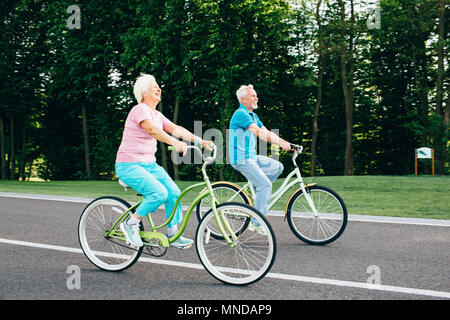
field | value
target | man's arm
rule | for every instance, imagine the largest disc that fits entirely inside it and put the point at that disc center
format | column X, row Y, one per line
column 269, row 136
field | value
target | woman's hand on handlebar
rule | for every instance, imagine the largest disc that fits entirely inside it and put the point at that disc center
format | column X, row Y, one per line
column 180, row 147
column 207, row 144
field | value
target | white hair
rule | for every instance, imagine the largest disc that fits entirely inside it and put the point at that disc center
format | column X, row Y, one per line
column 242, row 92
column 143, row 82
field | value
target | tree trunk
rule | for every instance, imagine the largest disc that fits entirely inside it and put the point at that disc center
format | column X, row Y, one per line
column 86, row 142
column 176, row 175
column 12, row 172
column 441, row 131
column 162, row 146
column 319, row 92
column 22, row 163
column 347, row 86
column 446, row 120
column 2, row 149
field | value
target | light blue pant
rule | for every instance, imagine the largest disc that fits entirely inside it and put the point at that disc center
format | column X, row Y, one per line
column 261, row 173
column 153, row 182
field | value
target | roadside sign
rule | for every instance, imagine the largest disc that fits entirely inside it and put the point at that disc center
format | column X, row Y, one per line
column 423, row 153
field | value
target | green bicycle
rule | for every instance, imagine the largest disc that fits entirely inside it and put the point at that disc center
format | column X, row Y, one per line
column 233, row 256
column 316, row 214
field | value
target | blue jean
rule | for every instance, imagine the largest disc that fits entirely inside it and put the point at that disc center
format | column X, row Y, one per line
column 261, row 173
column 153, row 182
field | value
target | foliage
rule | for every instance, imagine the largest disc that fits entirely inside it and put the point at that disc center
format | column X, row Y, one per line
column 65, row 93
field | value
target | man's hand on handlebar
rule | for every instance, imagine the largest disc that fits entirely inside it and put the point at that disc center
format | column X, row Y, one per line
column 295, row 147
column 286, row 146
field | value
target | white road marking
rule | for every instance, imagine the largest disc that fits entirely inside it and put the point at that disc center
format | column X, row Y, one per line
column 273, row 213
column 45, row 197
column 280, row 276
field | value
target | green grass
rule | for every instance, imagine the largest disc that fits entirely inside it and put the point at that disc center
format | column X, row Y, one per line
column 399, row 196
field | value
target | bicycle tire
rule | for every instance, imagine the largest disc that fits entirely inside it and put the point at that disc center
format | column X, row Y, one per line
column 252, row 250
column 332, row 219
column 98, row 217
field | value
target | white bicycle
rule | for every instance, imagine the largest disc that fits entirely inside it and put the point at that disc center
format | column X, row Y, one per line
column 316, row 214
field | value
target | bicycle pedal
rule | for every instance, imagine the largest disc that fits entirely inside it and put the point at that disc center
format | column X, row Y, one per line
column 131, row 246
column 183, row 248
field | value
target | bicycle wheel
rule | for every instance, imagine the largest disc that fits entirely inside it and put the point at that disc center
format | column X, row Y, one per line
column 327, row 226
column 250, row 257
column 105, row 252
column 224, row 192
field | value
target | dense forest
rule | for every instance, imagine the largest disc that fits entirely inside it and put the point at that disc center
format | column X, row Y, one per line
column 359, row 83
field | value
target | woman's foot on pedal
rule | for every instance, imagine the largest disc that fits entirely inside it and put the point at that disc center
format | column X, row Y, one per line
column 182, row 243
column 131, row 233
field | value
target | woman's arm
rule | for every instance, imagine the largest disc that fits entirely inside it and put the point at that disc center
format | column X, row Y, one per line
column 179, row 132
column 184, row 134
column 162, row 136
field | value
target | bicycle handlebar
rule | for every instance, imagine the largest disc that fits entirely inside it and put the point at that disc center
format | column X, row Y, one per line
column 207, row 160
column 296, row 148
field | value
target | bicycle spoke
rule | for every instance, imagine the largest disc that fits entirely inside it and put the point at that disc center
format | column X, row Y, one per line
column 320, row 229
column 247, row 260
column 98, row 217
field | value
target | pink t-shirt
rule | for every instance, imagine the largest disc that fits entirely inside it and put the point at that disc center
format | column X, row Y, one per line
column 137, row 145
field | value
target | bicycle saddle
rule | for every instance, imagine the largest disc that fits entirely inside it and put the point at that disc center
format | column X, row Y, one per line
column 124, row 185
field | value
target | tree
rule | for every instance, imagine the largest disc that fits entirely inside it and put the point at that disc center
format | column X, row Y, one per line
column 23, row 51
column 65, row 92
column 347, row 74
column 441, row 133
column 321, row 66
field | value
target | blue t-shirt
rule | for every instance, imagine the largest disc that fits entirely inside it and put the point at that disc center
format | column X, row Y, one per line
column 241, row 141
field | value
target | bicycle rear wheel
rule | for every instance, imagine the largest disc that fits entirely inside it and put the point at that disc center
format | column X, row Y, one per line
column 327, row 226
column 104, row 251
column 248, row 259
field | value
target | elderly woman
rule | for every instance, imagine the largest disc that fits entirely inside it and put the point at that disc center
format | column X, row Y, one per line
column 136, row 163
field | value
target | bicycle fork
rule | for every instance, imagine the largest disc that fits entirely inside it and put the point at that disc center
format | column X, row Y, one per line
column 307, row 194
column 221, row 220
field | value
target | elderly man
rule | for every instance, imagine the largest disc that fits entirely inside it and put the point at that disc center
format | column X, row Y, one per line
column 261, row 171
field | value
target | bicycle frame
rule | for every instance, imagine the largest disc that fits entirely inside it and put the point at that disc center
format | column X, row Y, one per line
column 285, row 186
column 220, row 218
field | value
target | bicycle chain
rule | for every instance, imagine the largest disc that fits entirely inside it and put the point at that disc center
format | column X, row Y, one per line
column 149, row 253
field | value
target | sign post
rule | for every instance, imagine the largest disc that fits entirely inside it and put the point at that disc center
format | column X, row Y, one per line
column 424, row 153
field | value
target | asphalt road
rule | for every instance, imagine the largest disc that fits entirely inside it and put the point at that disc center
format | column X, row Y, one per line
column 40, row 255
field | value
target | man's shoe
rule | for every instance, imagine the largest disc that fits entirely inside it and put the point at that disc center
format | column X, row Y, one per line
column 182, row 243
column 255, row 227
column 131, row 234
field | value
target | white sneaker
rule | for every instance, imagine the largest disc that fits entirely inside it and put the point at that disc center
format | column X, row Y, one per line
column 182, row 243
column 131, row 234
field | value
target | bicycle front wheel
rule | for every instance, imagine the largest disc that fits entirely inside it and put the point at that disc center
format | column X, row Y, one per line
column 105, row 251
column 248, row 259
column 330, row 221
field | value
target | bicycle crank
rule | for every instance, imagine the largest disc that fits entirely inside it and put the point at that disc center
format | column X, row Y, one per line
column 155, row 247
